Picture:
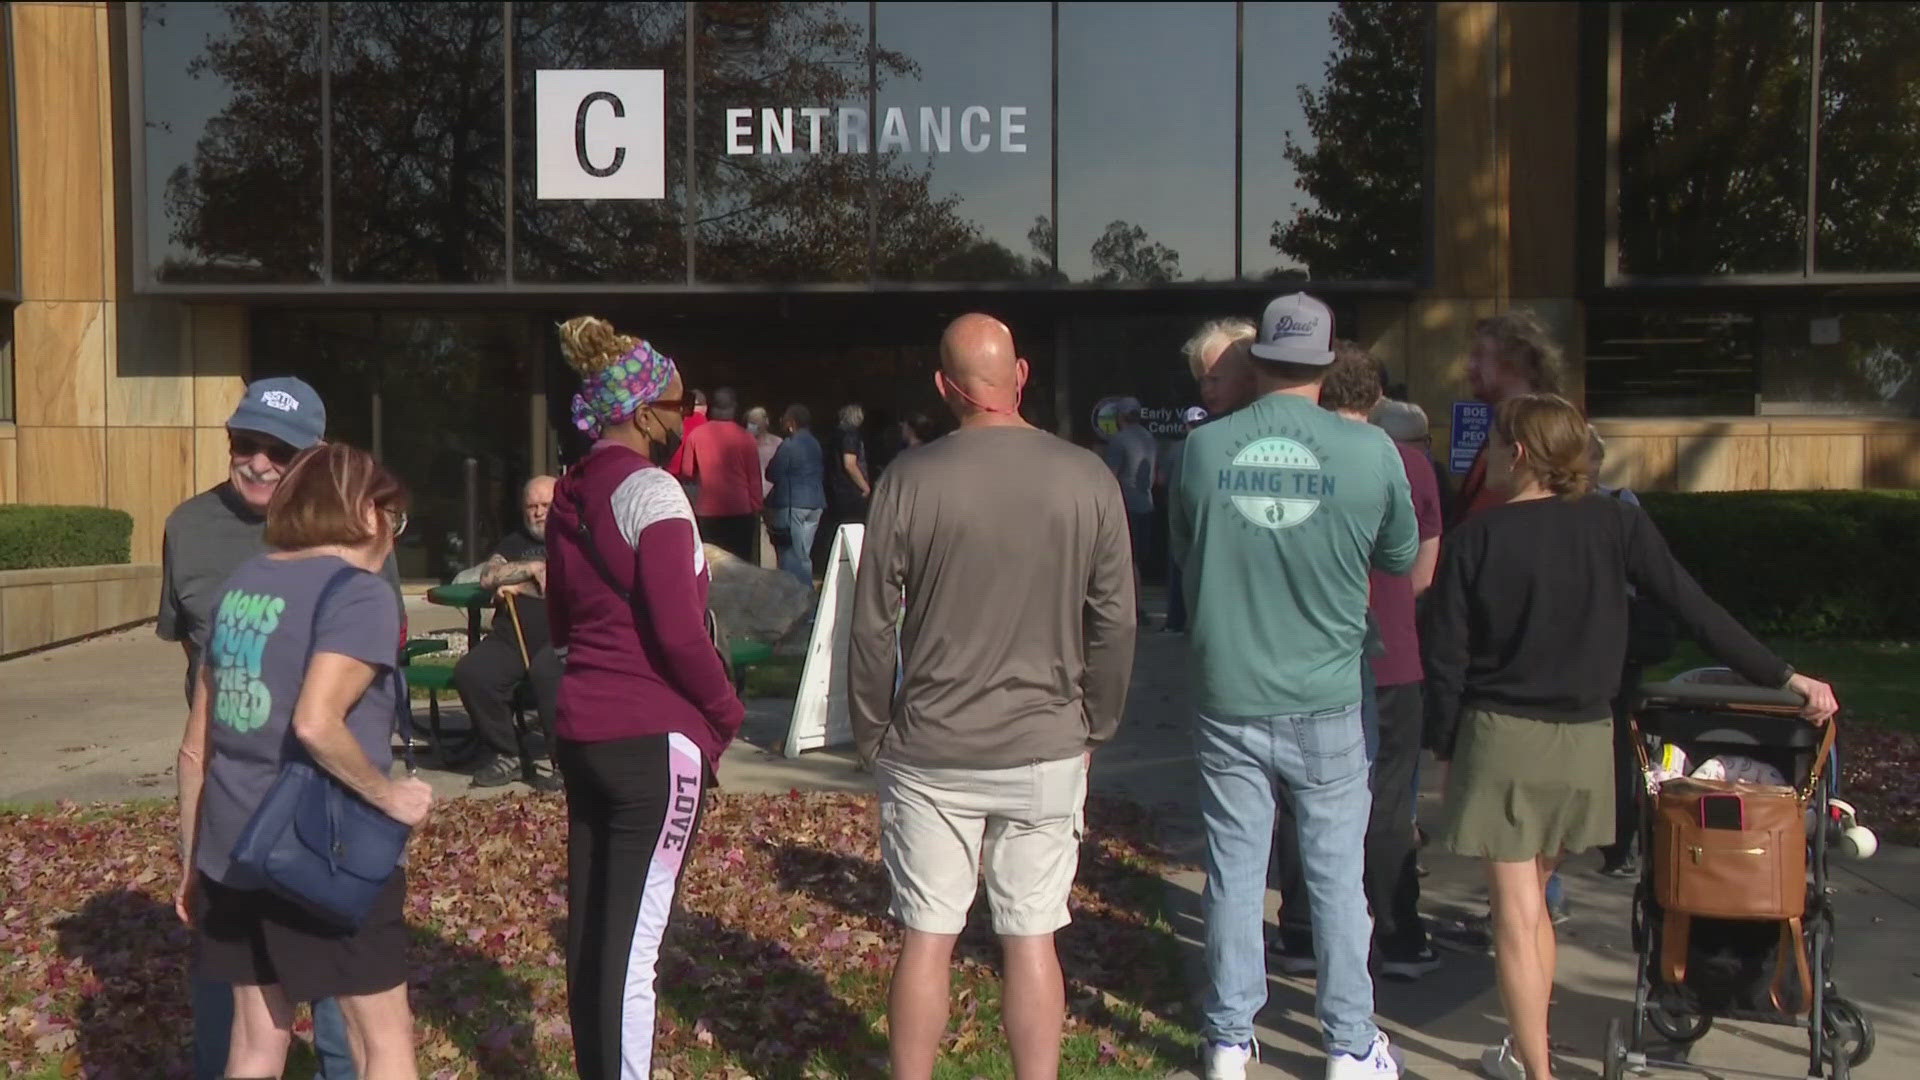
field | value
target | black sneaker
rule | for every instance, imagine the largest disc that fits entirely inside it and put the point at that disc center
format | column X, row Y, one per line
column 1624, row 867
column 545, row 782
column 499, row 772
column 1411, row 966
column 1296, row 961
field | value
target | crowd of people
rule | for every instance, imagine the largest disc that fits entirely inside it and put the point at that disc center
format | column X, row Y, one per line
column 1342, row 618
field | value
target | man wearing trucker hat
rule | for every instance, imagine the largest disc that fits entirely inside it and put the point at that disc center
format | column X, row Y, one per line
column 207, row 538
column 1280, row 511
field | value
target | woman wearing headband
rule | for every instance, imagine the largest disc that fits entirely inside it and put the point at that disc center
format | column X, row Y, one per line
column 645, row 707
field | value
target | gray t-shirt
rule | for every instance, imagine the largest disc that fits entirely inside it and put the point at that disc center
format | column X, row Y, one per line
column 207, row 538
column 1130, row 455
column 256, row 646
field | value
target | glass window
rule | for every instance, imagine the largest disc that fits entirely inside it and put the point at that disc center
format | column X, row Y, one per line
column 1869, row 190
column 1146, row 141
column 783, row 142
column 1713, row 137
column 599, row 240
column 1644, row 362
column 1854, row 363
column 232, row 142
column 964, row 140
column 418, row 135
column 1333, row 145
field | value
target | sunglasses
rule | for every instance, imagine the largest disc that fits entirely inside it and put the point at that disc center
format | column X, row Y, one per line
column 246, row 445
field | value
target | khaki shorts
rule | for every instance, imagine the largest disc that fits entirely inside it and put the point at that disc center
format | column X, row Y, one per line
column 934, row 824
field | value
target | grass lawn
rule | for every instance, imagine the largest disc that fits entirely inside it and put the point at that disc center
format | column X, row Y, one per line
column 1878, row 684
column 777, row 967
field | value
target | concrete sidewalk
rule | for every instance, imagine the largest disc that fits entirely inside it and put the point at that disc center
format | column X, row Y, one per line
column 101, row 720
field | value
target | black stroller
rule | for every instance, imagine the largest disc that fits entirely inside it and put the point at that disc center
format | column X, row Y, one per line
column 1735, row 969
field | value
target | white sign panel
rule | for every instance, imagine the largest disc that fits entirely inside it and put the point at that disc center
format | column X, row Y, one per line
column 820, row 709
column 600, row 134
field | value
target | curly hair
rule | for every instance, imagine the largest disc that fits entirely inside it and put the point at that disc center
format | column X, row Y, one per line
column 1555, row 437
column 1352, row 381
column 1524, row 343
column 591, row 344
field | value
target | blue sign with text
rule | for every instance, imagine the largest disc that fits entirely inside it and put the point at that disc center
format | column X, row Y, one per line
column 1471, row 422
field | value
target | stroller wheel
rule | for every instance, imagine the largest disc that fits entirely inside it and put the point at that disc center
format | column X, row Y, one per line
column 1838, row 1067
column 1848, row 1030
column 1678, row 1027
column 1613, row 1055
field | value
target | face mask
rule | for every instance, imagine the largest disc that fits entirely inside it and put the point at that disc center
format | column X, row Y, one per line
column 664, row 449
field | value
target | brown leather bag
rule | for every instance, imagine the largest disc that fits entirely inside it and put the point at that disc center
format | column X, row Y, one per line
column 1758, row 872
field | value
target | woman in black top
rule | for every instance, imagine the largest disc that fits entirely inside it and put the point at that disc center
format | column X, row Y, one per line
column 1525, row 635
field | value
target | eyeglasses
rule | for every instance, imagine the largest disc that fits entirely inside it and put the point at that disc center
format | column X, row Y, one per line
column 683, row 404
column 244, row 444
column 397, row 521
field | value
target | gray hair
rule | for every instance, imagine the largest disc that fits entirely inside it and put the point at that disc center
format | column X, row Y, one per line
column 1403, row 421
column 757, row 415
column 852, row 415
column 1214, row 331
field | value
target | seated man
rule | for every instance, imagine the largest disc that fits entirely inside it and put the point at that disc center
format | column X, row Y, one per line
column 492, row 669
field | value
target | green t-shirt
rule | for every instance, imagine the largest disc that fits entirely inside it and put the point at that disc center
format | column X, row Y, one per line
column 1280, row 510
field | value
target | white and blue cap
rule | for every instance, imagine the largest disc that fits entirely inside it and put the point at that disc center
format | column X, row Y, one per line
column 1296, row 329
column 1194, row 415
column 285, row 408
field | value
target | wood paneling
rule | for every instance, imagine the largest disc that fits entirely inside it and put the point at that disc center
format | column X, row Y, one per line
column 63, row 184
column 149, row 472
column 150, row 374
column 26, row 617
column 1469, row 176
column 1816, row 462
column 63, row 466
column 60, row 362
column 110, row 226
column 1541, row 46
column 1719, row 462
column 1640, row 463
column 211, row 461
column 218, row 340
column 9, row 469
column 1893, row 460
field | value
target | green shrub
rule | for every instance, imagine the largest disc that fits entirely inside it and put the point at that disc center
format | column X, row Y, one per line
column 1802, row 564
column 36, row 537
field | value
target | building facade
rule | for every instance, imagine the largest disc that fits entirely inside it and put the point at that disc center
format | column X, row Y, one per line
column 1713, row 205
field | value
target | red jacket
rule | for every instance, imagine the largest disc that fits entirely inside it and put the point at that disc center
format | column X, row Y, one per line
column 723, row 459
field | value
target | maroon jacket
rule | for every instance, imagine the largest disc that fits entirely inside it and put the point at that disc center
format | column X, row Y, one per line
column 645, row 667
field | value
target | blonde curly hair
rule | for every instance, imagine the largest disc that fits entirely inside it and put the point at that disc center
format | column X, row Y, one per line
column 591, row 344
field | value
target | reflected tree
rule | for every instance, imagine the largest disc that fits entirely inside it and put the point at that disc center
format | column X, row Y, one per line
column 1713, row 137
column 1363, row 166
column 1124, row 254
column 1869, row 193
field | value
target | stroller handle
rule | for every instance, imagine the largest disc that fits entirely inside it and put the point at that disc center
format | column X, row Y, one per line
column 1710, row 694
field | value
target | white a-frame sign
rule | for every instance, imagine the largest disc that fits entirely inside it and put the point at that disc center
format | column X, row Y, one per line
column 820, row 709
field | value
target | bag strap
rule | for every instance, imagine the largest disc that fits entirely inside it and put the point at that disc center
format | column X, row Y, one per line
column 403, row 712
column 1675, row 932
column 585, row 537
column 1793, row 943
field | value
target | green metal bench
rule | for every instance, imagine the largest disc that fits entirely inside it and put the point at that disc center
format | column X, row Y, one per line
column 745, row 654
column 435, row 679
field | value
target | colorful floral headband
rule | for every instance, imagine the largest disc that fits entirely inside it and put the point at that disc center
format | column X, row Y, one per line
column 610, row 396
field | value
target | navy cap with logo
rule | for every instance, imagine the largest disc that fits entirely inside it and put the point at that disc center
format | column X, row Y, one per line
column 1296, row 329
column 285, row 408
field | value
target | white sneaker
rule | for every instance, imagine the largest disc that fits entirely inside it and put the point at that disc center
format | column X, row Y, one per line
column 1501, row 1063
column 1224, row 1062
column 1381, row 1062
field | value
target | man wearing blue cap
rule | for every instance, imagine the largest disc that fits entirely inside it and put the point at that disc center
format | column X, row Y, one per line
column 207, row 538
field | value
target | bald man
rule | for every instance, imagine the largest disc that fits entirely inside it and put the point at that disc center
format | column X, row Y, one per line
column 494, row 666
column 1000, row 552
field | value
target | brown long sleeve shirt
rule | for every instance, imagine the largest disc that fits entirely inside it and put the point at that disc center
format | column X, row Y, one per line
column 1009, row 546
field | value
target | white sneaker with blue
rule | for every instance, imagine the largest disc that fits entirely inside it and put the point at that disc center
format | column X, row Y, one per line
column 1501, row 1063
column 1224, row 1061
column 1380, row 1062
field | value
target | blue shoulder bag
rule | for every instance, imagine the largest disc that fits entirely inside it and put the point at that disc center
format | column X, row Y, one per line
column 312, row 840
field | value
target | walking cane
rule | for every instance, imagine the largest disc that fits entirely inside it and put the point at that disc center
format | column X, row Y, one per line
column 519, row 636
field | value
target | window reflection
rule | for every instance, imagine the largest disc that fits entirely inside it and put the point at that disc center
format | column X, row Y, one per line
column 965, row 140
column 1713, row 137
column 1864, row 362
column 1146, row 141
column 599, row 240
column 1869, row 190
column 1333, row 150
column 1668, row 363
column 783, row 193
column 419, row 165
column 232, row 132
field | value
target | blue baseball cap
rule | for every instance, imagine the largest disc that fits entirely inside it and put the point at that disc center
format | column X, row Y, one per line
column 287, row 409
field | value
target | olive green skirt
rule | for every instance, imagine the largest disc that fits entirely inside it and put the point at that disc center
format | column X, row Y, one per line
column 1523, row 788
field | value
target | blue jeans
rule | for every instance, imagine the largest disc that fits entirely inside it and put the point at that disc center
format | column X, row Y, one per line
column 213, row 1030
column 796, row 555
column 1322, row 759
